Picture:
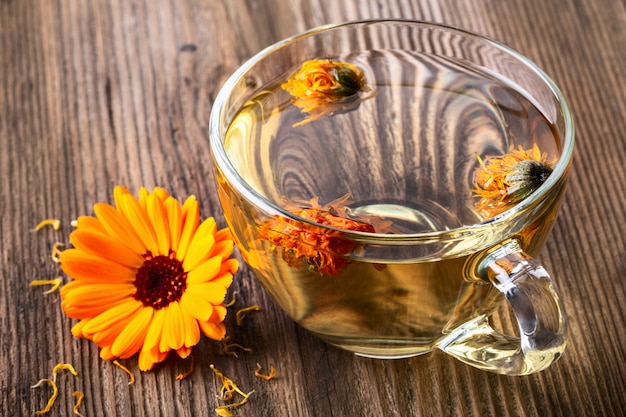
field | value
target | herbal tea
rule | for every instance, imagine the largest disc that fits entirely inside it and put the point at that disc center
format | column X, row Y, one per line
column 394, row 143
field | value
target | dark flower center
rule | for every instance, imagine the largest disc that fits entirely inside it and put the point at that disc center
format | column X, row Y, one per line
column 160, row 281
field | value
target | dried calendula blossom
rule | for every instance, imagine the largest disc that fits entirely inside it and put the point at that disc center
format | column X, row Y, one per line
column 322, row 249
column 504, row 180
column 148, row 276
column 324, row 86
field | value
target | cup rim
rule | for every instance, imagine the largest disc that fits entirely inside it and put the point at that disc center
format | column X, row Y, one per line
column 216, row 143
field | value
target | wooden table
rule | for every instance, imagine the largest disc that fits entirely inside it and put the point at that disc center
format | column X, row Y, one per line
column 99, row 93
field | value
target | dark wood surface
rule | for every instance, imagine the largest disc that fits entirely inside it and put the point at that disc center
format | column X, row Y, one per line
column 99, row 93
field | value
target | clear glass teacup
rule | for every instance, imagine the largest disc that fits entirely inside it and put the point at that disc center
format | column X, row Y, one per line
column 389, row 183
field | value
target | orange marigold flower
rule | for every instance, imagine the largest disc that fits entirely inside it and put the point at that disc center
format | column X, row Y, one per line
column 147, row 276
column 324, row 86
column 322, row 249
column 504, row 180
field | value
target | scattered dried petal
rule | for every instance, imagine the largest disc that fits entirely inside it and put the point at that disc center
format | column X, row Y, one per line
column 242, row 313
column 226, row 394
column 258, row 373
column 56, row 252
column 79, row 399
column 125, row 369
column 55, row 223
column 227, row 348
column 231, row 302
column 63, row 366
column 186, row 374
column 56, row 283
column 224, row 410
column 55, row 394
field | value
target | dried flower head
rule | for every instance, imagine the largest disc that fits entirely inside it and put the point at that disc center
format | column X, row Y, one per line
column 322, row 249
column 148, row 277
column 504, row 180
column 324, row 86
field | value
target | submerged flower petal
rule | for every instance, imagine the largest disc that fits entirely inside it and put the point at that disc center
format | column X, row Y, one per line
column 147, row 276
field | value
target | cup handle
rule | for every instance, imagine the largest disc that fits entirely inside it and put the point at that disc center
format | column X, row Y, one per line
column 532, row 296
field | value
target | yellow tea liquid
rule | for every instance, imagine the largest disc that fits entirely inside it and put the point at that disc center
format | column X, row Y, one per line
column 406, row 155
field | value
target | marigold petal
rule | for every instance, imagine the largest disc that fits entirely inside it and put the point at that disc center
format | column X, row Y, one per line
column 105, row 353
column 209, row 291
column 158, row 218
column 131, row 339
column 150, row 357
column 224, row 279
column 222, row 249
column 219, row 313
column 205, row 272
column 89, row 222
column 230, row 265
column 155, row 330
column 212, row 330
column 201, row 244
column 81, row 265
column 223, row 234
column 185, row 351
column 190, row 222
column 137, row 216
column 122, row 312
column 143, row 197
column 192, row 330
column 173, row 336
column 77, row 329
column 101, row 244
column 84, row 300
column 161, row 193
column 175, row 220
column 119, row 226
column 196, row 306
column 118, row 195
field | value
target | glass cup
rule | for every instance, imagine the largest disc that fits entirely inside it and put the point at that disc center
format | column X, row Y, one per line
column 389, row 183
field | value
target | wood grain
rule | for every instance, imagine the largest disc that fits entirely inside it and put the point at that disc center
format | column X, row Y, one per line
column 94, row 94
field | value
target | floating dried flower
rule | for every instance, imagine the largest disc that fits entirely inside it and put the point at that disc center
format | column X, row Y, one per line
column 271, row 375
column 52, row 399
column 55, row 283
column 125, row 369
column 504, row 180
column 148, row 277
column 55, row 223
column 242, row 313
column 323, row 250
column 324, row 86
column 79, row 399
